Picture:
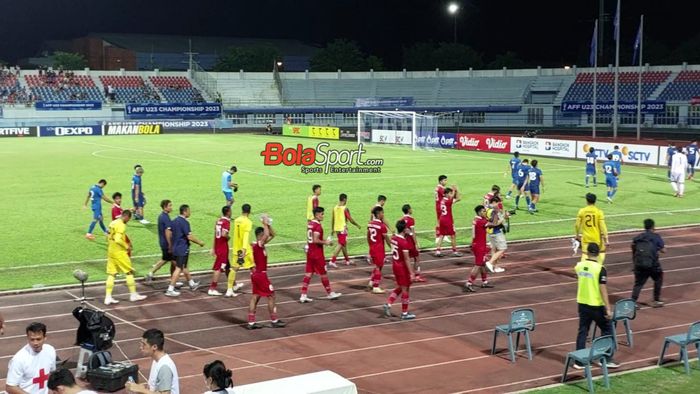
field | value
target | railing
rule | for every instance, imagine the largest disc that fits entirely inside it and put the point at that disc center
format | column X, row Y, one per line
column 205, row 81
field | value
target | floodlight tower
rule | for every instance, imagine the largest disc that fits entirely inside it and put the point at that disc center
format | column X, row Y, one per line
column 452, row 9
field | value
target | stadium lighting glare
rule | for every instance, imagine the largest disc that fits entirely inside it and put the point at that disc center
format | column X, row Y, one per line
column 452, row 8
column 279, row 64
column 566, row 67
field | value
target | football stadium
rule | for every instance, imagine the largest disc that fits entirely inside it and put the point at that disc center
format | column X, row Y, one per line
column 177, row 219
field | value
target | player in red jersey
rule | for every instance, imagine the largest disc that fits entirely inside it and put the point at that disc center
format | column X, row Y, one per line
column 412, row 239
column 381, row 200
column 220, row 250
column 117, row 213
column 447, row 223
column 479, row 249
column 439, row 194
column 377, row 236
column 495, row 191
column 403, row 272
column 259, row 280
column 315, row 260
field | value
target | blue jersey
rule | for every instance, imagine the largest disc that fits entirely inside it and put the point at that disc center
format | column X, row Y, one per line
column 136, row 180
column 96, row 194
column 670, row 151
column 617, row 158
column 534, row 175
column 692, row 152
column 164, row 223
column 609, row 168
column 523, row 170
column 225, row 181
column 514, row 163
column 181, row 229
column 590, row 163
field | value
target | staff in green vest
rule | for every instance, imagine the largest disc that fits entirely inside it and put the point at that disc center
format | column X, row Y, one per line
column 592, row 298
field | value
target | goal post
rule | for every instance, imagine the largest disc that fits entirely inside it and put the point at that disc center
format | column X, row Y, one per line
column 396, row 127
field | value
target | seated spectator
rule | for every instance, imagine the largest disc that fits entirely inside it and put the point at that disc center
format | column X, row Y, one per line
column 62, row 381
column 30, row 367
column 217, row 378
column 163, row 377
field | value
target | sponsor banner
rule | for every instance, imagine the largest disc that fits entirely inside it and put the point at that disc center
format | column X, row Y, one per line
column 638, row 154
column 543, row 147
column 649, row 106
column 693, row 101
column 17, row 132
column 322, row 132
column 68, row 105
column 170, row 125
column 437, row 140
column 482, row 142
column 123, row 128
column 62, row 131
column 370, row 102
column 200, row 110
column 400, row 137
column 348, row 135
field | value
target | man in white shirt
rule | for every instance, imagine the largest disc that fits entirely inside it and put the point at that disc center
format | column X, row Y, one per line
column 163, row 378
column 62, row 381
column 679, row 165
column 30, row 367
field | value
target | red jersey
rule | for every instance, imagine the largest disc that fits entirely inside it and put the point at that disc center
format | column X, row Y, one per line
column 479, row 231
column 398, row 245
column 221, row 230
column 446, row 208
column 116, row 211
column 410, row 224
column 487, row 199
column 376, row 232
column 315, row 250
column 260, row 257
column 439, row 194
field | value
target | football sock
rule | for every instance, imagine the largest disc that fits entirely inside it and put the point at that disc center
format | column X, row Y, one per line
column 472, row 278
column 376, row 277
column 305, row 284
column 130, row 283
column 251, row 317
column 517, row 201
column 484, row 277
column 586, row 180
column 681, row 188
column 326, row 284
column 595, row 182
column 614, row 191
column 527, row 200
column 674, row 185
column 404, row 302
column 333, row 259
column 609, row 195
column 92, row 227
column 102, row 226
column 532, row 206
column 273, row 316
column 231, row 279
column 393, row 296
column 109, row 285
column 213, row 286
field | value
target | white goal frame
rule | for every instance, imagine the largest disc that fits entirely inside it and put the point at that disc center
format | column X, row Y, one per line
column 406, row 114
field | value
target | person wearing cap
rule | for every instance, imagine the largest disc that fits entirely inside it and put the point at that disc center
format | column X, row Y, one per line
column 227, row 184
column 590, row 228
column 592, row 298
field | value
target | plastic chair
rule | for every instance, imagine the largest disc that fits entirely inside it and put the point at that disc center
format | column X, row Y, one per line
column 521, row 321
column 625, row 310
column 692, row 337
column 600, row 350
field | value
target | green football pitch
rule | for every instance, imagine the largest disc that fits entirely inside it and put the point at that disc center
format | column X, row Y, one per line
column 45, row 182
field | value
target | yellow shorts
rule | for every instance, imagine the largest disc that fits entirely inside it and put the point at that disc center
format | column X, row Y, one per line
column 118, row 263
column 247, row 261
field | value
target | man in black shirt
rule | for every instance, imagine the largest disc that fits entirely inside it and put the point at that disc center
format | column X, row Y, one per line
column 645, row 255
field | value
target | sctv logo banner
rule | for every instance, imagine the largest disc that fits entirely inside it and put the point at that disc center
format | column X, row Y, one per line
column 69, row 131
column 631, row 153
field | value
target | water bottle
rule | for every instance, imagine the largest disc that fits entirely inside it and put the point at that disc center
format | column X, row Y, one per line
column 131, row 381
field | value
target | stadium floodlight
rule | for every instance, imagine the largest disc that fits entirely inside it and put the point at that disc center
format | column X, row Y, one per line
column 452, row 9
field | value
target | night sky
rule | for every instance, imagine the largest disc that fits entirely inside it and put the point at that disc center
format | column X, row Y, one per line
column 544, row 32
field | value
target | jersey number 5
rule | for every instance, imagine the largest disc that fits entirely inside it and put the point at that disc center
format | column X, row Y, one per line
column 395, row 251
column 373, row 235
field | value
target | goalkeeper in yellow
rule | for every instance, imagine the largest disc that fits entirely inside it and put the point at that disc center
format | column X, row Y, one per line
column 118, row 260
column 242, row 249
column 591, row 228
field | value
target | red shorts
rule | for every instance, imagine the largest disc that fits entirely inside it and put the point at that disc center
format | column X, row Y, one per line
column 261, row 284
column 447, row 226
column 221, row 263
column 401, row 275
column 480, row 252
column 377, row 257
column 343, row 238
column 413, row 251
column 315, row 265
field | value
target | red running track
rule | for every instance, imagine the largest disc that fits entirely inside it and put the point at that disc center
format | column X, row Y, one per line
column 450, row 339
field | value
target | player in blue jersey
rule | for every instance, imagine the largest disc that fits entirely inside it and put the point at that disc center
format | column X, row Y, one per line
column 535, row 183
column 670, row 151
column 228, row 187
column 591, row 166
column 609, row 168
column 513, row 164
column 523, row 170
column 617, row 158
column 95, row 197
column 137, row 194
column 692, row 158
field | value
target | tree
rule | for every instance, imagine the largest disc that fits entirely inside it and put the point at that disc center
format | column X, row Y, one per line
column 252, row 58
column 508, row 59
column 69, row 61
column 419, row 57
column 339, row 55
column 375, row 63
column 450, row 56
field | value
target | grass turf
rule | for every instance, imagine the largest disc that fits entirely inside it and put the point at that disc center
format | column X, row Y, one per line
column 46, row 181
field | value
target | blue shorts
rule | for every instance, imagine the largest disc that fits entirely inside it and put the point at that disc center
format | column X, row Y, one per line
column 619, row 170
column 534, row 189
column 590, row 171
column 520, row 184
column 141, row 203
column 229, row 196
column 515, row 179
column 610, row 181
column 97, row 214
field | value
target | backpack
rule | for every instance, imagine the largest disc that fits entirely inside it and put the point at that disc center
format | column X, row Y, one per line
column 96, row 329
column 644, row 253
column 99, row 359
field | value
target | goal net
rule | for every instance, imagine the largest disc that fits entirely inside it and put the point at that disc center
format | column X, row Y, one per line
column 397, row 127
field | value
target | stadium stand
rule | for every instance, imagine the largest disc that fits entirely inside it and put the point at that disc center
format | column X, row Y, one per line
column 684, row 87
column 582, row 88
column 52, row 86
column 258, row 91
column 130, row 89
column 177, row 89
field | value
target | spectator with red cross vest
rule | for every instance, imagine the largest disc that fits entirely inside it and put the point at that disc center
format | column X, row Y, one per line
column 29, row 368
